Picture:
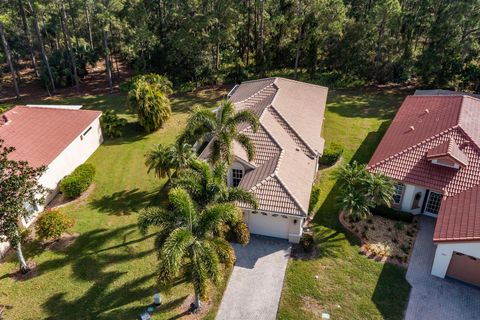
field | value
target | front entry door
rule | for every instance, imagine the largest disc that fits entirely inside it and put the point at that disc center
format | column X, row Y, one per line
column 433, row 203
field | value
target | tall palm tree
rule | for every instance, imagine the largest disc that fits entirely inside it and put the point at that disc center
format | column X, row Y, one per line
column 164, row 159
column 221, row 126
column 208, row 184
column 189, row 241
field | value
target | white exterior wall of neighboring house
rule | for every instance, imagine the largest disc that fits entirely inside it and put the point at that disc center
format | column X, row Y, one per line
column 71, row 157
column 444, row 253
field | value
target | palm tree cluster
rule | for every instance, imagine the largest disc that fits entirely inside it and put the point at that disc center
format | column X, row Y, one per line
column 363, row 190
column 201, row 215
column 112, row 124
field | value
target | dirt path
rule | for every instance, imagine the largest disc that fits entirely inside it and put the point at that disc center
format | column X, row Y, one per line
column 30, row 89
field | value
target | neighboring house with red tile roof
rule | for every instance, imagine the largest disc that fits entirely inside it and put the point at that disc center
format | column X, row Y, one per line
column 60, row 138
column 432, row 148
column 287, row 144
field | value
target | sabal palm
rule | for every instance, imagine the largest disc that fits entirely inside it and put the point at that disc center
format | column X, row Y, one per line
column 162, row 160
column 222, row 128
column 189, row 241
column 207, row 184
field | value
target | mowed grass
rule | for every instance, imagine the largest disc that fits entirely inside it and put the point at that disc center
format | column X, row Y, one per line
column 349, row 286
column 109, row 271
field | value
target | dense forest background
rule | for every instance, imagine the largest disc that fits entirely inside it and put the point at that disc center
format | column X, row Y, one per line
column 429, row 43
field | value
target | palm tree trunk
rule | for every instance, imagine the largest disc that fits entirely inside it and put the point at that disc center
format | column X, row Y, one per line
column 69, row 45
column 26, row 31
column 8, row 56
column 197, row 302
column 40, row 44
column 24, row 268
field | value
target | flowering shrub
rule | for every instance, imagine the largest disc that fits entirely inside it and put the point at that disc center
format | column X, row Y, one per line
column 52, row 224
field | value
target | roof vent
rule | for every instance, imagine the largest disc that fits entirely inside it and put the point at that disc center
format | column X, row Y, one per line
column 412, row 128
column 427, row 111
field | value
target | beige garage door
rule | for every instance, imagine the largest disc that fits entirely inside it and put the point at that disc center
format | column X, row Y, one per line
column 464, row 268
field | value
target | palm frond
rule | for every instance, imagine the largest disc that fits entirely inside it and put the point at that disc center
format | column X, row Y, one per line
column 245, row 116
column 153, row 217
column 183, row 204
column 247, row 145
column 224, row 251
column 201, row 120
column 241, row 195
column 215, row 216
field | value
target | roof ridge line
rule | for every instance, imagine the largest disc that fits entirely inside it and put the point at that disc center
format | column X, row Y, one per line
column 291, row 128
column 290, row 193
column 412, row 147
column 257, row 93
column 468, row 136
column 301, row 82
column 280, row 155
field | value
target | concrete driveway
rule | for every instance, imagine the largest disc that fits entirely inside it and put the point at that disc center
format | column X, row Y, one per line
column 432, row 298
column 255, row 286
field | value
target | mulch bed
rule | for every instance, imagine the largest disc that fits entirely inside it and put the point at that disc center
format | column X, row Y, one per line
column 60, row 201
column 382, row 239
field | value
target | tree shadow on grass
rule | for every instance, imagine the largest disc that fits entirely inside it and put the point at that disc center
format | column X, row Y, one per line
column 391, row 292
column 124, row 202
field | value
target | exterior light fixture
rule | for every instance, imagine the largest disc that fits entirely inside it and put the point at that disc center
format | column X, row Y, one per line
column 157, row 299
column 295, row 221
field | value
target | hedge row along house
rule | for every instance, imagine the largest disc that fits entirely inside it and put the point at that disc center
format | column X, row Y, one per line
column 59, row 137
column 288, row 145
column 432, row 150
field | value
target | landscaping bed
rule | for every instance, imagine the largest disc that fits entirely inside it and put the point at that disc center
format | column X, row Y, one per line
column 383, row 239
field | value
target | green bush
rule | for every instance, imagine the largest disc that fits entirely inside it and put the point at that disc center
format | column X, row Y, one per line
column 78, row 181
column 307, row 242
column 112, row 124
column 314, row 197
column 392, row 214
column 52, row 224
column 331, row 154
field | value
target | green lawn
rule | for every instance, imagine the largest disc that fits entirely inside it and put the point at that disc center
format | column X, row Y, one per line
column 109, row 271
column 349, row 286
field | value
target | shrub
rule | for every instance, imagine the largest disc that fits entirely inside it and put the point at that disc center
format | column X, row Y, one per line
column 52, row 224
column 78, row 181
column 112, row 124
column 242, row 233
column 392, row 214
column 399, row 226
column 331, row 154
column 307, row 242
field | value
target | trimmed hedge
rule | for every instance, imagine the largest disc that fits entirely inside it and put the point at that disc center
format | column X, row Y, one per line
column 392, row 214
column 78, row 181
column 331, row 154
column 52, row 224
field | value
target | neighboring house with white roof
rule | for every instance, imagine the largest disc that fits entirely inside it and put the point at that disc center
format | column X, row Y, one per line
column 59, row 137
column 287, row 144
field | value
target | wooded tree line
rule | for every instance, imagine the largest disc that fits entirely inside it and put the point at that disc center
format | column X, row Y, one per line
column 434, row 43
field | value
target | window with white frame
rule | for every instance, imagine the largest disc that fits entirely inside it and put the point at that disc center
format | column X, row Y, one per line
column 237, row 175
column 433, row 203
column 397, row 195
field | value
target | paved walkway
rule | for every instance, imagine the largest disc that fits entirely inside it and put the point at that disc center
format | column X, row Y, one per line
column 432, row 298
column 256, row 283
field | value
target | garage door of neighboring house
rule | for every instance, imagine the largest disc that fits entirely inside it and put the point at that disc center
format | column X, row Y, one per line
column 464, row 268
column 267, row 224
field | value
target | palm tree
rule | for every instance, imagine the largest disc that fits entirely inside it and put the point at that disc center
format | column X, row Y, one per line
column 158, row 160
column 355, row 204
column 189, row 241
column 380, row 189
column 165, row 159
column 151, row 104
column 221, row 126
column 112, row 124
column 208, row 184
column 352, row 176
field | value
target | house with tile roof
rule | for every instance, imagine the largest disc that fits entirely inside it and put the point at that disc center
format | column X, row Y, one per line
column 288, row 145
column 60, row 138
column 432, row 150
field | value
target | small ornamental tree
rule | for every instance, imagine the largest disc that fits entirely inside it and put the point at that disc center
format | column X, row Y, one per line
column 52, row 224
column 19, row 188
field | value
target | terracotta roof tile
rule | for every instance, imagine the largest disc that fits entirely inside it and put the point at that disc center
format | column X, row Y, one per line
column 39, row 135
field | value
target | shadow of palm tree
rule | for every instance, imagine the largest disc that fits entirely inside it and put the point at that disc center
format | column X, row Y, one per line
column 123, row 202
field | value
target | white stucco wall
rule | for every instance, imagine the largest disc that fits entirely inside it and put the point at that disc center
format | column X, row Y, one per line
column 408, row 196
column 76, row 153
column 295, row 229
column 444, row 252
